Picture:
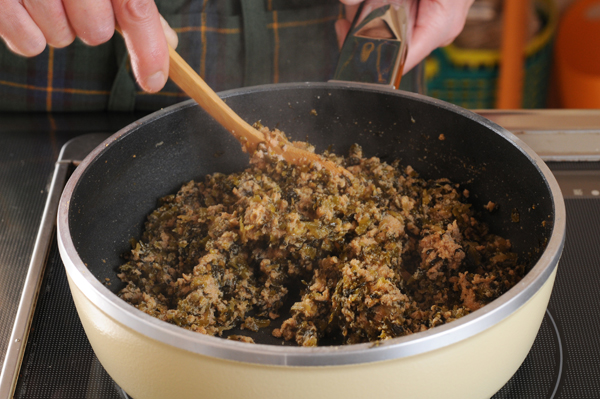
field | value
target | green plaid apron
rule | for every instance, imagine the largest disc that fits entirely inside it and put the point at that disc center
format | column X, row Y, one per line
column 231, row 43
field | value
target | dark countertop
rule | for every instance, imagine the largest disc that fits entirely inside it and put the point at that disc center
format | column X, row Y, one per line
column 29, row 146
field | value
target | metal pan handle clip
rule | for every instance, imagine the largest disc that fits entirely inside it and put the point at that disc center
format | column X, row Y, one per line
column 376, row 46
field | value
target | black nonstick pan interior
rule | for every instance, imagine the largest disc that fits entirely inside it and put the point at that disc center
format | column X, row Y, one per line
column 156, row 155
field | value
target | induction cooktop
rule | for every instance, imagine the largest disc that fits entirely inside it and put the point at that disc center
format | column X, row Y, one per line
column 564, row 362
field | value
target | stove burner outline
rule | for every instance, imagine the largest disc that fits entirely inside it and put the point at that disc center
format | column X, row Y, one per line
column 560, row 354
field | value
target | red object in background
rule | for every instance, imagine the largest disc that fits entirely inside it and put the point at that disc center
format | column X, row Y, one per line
column 512, row 62
column 577, row 55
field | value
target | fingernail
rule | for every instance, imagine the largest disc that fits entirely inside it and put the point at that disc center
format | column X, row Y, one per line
column 170, row 34
column 156, row 82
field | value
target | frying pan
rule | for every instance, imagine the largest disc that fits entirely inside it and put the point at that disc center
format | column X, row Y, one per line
column 109, row 195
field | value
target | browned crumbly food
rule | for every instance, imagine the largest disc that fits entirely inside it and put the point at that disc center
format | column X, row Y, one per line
column 241, row 338
column 382, row 255
column 490, row 206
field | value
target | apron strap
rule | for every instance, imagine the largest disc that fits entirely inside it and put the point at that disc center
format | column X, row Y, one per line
column 258, row 43
column 122, row 93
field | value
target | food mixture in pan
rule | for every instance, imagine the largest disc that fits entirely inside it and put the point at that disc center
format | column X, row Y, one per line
column 379, row 255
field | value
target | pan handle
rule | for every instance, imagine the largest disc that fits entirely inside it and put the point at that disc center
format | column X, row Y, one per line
column 376, row 46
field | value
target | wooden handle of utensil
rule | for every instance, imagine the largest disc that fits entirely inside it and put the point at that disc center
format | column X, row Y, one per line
column 194, row 86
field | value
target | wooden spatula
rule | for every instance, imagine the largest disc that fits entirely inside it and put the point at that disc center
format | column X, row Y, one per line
column 195, row 87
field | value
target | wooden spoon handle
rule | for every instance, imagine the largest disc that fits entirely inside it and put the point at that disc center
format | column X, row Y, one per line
column 194, row 86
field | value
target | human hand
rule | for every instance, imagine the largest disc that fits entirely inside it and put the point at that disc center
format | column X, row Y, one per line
column 28, row 25
column 438, row 23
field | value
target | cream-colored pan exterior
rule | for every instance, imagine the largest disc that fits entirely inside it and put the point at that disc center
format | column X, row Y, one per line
column 476, row 367
column 472, row 357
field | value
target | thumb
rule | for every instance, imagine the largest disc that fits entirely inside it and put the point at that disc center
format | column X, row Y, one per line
column 170, row 34
column 342, row 27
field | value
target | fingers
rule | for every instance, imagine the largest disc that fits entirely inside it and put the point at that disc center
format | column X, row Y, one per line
column 170, row 34
column 92, row 20
column 27, row 25
column 143, row 32
column 19, row 31
column 438, row 23
column 342, row 27
column 51, row 19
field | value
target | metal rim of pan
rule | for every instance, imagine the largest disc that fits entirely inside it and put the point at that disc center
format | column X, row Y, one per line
column 396, row 348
